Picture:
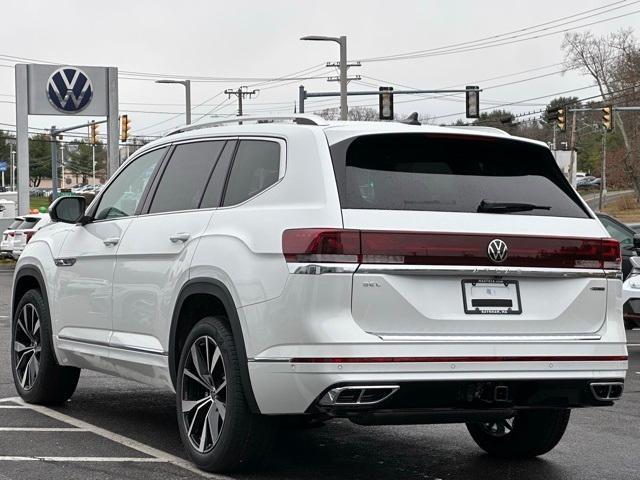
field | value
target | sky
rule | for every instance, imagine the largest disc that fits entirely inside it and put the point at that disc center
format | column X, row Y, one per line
column 224, row 45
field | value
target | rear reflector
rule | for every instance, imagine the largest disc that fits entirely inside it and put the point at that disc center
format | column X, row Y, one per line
column 417, row 248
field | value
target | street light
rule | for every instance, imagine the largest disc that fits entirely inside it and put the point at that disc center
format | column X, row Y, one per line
column 187, row 86
column 342, row 41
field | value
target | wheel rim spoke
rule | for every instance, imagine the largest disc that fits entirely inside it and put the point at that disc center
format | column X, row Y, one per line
column 27, row 346
column 204, row 394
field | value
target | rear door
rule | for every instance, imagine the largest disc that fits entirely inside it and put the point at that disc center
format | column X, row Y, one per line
column 156, row 251
column 436, row 260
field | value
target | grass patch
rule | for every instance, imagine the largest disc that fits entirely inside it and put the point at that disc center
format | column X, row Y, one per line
column 37, row 202
column 626, row 209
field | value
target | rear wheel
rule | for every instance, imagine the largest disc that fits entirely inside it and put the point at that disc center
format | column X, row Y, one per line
column 218, row 430
column 37, row 376
column 527, row 434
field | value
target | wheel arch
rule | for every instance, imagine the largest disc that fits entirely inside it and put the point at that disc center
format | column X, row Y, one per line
column 25, row 279
column 216, row 289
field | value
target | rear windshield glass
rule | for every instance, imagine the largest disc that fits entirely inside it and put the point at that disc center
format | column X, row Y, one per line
column 15, row 224
column 450, row 173
column 28, row 223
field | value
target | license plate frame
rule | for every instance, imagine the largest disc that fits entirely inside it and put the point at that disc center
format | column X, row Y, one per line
column 507, row 303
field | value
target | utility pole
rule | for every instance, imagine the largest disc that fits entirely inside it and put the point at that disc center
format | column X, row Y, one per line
column 13, row 169
column 240, row 93
column 572, row 147
column 603, row 176
column 54, row 163
column 62, row 164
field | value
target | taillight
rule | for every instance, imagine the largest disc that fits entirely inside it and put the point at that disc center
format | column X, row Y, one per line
column 321, row 245
column 28, row 236
column 418, row 248
column 11, row 234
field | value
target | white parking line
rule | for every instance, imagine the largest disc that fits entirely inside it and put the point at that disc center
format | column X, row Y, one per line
column 159, row 455
column 17, row 407
column 633, row 344
column 42, row 429
column 81, row 459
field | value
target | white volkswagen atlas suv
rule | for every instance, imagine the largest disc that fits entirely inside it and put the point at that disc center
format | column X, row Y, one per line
column 381, row 272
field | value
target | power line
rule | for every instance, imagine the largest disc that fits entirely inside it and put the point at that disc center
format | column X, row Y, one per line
column 486, row 42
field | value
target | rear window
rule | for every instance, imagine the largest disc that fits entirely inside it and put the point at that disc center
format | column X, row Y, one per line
column 15, row 224
column 28, row 223
column 450, row 173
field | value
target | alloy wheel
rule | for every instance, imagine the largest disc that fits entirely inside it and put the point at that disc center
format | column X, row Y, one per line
column 204, row 394
column 27, row 346
column 499, row 428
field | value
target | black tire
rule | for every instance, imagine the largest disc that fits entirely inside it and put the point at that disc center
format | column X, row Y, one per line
column 244, row 438
column 532, row 433
column 49, row 384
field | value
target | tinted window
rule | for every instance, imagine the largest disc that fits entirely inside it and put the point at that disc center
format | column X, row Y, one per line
column 213, row 192
column 15, row 224
column 618, row 232
column 28, row 223
column 450, row 173
column 123, row 195
column 256, row 166
column 185, row 177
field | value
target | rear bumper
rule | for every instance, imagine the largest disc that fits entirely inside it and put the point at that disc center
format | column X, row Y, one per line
column 289, row 386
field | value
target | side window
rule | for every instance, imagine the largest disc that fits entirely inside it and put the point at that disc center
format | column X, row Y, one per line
column 123, row 195
column 617, row 232
column 213, row 193
column 185, row 176
column 256, row 167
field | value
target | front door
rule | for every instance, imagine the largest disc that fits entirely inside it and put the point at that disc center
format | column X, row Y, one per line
column 86, row 262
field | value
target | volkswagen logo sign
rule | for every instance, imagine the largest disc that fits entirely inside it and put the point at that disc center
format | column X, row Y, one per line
column 497, row 250
column 69, row 90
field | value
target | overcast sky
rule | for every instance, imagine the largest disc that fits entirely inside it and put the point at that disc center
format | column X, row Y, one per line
column 260, row 39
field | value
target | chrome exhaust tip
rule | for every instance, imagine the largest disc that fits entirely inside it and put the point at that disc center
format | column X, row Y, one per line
column 606, row 391
column 357, row 395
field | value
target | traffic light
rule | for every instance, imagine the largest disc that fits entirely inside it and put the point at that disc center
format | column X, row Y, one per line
column 562, row 120
column 472, row 101
column 386, row 103
column 125, row 128
column 93, row 132
column 607, row 118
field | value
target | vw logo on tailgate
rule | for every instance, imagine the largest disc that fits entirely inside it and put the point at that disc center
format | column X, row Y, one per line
column 497, row 250
column 69, row 89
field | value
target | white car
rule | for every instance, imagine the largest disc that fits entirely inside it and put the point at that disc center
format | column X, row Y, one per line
column 26, row 230
column 6, row 244
column 631, row 295
column 380, row 272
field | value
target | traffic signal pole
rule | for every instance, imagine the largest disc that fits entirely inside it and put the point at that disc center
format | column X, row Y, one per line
column 603, row 175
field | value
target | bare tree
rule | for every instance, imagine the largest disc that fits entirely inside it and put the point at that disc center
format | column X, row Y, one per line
column 613, row 61
column 359, row 114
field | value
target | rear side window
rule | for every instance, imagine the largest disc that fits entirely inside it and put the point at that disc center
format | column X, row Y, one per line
column 450, row 173
column 185, row 176
column 256, row 167
column 213, row 193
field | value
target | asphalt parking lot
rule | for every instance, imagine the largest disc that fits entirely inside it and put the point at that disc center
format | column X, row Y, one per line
column 115, row 429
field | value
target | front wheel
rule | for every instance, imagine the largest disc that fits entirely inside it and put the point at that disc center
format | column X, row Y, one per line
column 36, row 373
column 527, row 434
column 217, row 428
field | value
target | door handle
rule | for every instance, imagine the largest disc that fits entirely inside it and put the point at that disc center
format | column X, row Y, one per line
column 110, row 242
column 179, row 237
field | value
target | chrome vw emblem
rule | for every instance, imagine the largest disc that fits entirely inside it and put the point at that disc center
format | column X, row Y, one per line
column 69, row 90
column 497, row 250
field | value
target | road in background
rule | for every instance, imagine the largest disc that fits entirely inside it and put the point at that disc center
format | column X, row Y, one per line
column 599, row 443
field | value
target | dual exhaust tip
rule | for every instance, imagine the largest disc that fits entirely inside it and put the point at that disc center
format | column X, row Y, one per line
column 357, row 395
column 607, row 391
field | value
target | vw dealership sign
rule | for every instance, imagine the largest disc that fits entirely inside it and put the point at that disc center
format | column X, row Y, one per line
column 69, row 89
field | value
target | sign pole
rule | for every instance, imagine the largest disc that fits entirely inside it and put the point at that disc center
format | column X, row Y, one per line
column 22, row 138
column 113, row 153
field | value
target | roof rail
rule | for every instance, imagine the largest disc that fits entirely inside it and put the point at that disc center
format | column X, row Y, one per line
column 299, row 119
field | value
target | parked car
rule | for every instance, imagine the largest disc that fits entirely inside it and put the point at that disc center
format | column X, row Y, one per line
column 631, row 296
column 628, row 238
column 6, row 245
column 379, row 272
column 27, row 229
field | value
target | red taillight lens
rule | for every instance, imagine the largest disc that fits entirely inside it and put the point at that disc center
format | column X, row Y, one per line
column 417, row 248
column 28, row 236
column 321, row 245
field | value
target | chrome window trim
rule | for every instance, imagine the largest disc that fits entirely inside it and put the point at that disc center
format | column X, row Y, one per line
column 108, row 345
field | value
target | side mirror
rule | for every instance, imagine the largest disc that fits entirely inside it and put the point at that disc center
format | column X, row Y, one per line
column 68, row 209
